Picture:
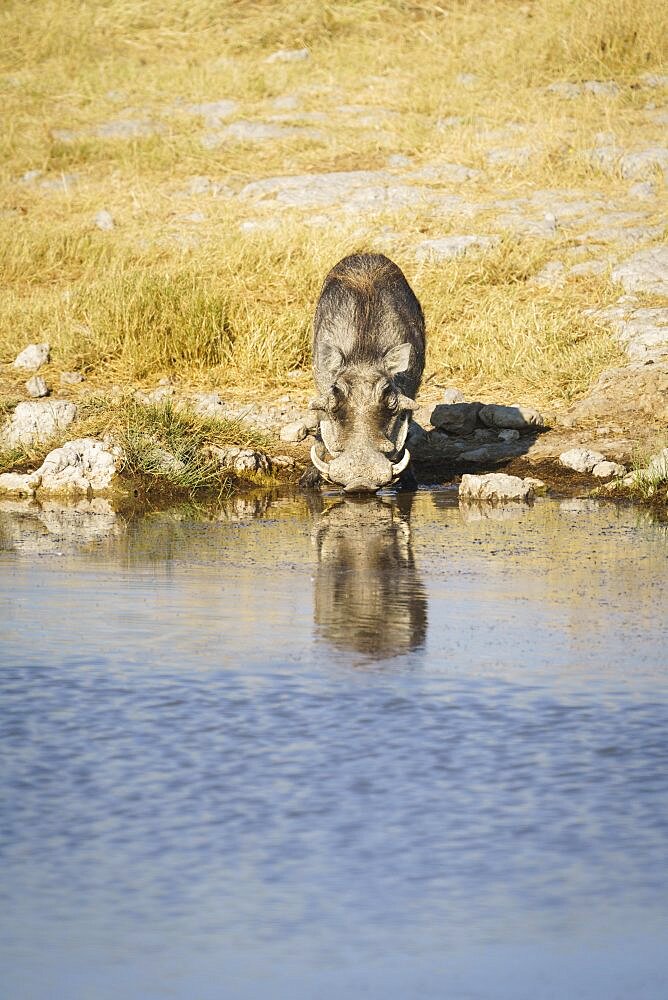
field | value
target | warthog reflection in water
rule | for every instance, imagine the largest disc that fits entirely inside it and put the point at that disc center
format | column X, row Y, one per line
column 368, row 594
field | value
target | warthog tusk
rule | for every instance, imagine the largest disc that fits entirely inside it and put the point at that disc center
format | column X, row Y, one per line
column 401, row 465
column 321, row 466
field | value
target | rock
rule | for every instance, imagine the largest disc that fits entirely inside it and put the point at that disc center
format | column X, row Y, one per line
column 104, row 220
column 643, row 190
column 643, row 163
column 537, row 485
column 445, row 173
column 154, row 396
column 486, row 453
column 19, row 484
column 212, row 111
column 288, row 55
column 467, row 79
column 509, row 434
column 551, row 275
column 588, row 267
column 246, row 131
column 581, row 459
column 32, row 357
column 456, row 418
column 166, row 463
column 485, row 434
column 629, row 396
column 449, row 247
column 510, row 156
column 495, row 486
column 645, row 271
column 601, row 88
column 519, row 418
column 240, row 460
column 294, row 432
column 37, row 387
column 654, row 80
column 37, row 421
column 71, row 378
column 452, row 395
column 658, row 465
column 283, row 461
column 81, row 466
column 605, row 470
column 208, row 404
column 124, row 128
column 563, row 88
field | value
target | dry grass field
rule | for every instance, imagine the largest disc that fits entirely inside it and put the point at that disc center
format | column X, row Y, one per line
column 163, row 116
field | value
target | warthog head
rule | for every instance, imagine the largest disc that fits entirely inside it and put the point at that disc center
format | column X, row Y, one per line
column 364, row 420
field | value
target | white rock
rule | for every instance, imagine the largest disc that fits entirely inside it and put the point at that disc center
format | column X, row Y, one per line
column 251, row 461
column 645, row 271
column 288, row 55
column 514, row 417
column 19, row 484
column 643, row 190
column 537, row 485
column 495, row 486
column 283, row 461
column 71, row 378
column 452, row 395
column 551, row 275
column 32, row 357
column 581, row 459
column 509, row 434
column 644, row 162
column 37, row 421
column 37, row 387
column 80, row 466
column 208, row 404
column 605, row 470
column 658, row 465
column 104, row 220
column 294, row 432
column 601, row 88
column 449, row 247
column 510, row 156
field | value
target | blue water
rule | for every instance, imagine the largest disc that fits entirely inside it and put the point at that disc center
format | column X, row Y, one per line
column 285, row 750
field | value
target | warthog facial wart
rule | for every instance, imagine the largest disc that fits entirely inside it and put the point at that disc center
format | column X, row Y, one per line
column 368, row 359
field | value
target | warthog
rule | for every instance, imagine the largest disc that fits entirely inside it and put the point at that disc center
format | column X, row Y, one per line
column 368, row 358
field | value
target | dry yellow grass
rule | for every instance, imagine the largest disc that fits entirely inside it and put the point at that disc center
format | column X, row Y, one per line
column 164, row 292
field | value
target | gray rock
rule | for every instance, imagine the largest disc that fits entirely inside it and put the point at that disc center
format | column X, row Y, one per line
column 654, row 80
column 643, row 190
column 154, row 396
column 518, row 223
column 445, row 173
column 551, row 275
column 37, row 421
column 510, row 156
column 606, row 470
column 645, row 271
column 485, row 434
column 495, row 486
column 125, row 128
column 658, row 465
column 452, row 395
column 588, row 267
column 212, row 112
column 563, row 88
column 288, row 55
column 294, row 432
column 521, row 418
column 601, row 88
column 456, row 418
column 467, row 79
column 537, row 485
column 71, row 378
column 82, row 466
column 104, row 220
column 283, row 462
column 581, row 459
column 509, row 434
column 449, row 247
column 208, row 404
column 32, row 357
column 37, row 387
column 643, row 163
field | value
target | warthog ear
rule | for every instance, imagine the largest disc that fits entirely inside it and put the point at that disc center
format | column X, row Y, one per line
column 397, row 359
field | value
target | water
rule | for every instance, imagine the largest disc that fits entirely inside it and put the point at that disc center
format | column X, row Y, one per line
column 333, row 749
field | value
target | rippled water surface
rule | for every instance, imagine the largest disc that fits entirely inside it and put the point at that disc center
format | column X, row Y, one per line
column 333, row 749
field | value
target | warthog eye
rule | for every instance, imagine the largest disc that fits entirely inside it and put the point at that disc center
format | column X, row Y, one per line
column 337, row 394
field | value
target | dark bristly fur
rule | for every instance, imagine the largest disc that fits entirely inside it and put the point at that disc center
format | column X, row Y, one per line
column 368, row 359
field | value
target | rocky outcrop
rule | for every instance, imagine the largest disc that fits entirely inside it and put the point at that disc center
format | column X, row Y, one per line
column 37, row 421
column 81, row 467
